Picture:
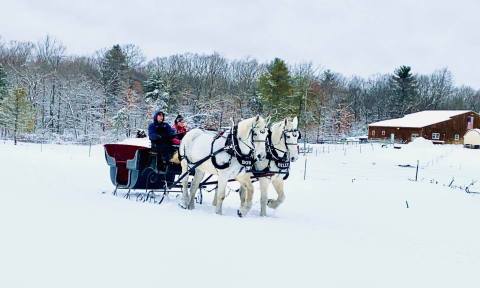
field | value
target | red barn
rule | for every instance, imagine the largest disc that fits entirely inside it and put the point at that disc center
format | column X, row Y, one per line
column 440, row 126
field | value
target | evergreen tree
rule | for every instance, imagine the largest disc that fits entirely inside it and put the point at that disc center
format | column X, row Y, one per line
column 121, row 122
column 158, row 92
column 3, row 83
column 114, row 70
column 16, row 113
column 404, row 86
column 114, row 78
column 275, row 88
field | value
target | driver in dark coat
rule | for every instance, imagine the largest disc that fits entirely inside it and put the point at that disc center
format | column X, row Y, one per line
column 160, row 134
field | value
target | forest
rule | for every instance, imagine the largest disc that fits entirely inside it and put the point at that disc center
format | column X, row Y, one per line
column 49, row 95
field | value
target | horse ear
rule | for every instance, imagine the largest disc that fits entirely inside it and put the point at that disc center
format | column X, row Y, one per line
column 256, row 119
column 295, row 122
column 267, row 120
column 285, row 122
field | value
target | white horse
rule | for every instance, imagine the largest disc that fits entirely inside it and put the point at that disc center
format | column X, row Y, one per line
column 249, row 144
column 282, row 148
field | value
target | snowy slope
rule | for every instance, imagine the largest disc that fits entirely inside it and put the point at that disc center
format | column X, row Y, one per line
column 346, row 225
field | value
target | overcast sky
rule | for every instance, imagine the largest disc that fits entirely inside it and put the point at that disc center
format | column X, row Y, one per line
column 361, row 37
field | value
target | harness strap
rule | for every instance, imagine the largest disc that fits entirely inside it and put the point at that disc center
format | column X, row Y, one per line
column 283, row 162
column 226, row 148
column 244, row 160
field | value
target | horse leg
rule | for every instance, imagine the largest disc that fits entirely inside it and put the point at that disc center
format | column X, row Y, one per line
column 222, row 185
column 278, row 185
column 194, row 187
column 214, row 202
column 184, row 201
column 241, row 194
column 247, row 190
column 264, row 183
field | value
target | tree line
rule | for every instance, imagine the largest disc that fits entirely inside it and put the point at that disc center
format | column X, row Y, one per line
column 48, row 94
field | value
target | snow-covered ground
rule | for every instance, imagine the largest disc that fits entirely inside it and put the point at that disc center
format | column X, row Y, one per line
column 346, row 225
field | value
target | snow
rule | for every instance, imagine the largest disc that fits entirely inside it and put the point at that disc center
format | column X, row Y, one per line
column 143, row 142
column 346, row 225
column 421, row 142
column 420, row 119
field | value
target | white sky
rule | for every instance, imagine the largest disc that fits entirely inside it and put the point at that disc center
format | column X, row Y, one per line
column 360, row 37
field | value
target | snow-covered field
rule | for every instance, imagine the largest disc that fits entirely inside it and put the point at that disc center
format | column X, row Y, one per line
column 346, row 225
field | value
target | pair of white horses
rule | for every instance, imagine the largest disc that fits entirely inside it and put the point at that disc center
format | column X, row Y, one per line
column 251, row 137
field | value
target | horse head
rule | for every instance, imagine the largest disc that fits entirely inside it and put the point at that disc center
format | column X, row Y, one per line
column 285, row 137
column 252, row 134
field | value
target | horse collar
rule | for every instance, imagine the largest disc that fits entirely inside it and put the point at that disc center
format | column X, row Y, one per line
column 243, row 159
column 281, row 162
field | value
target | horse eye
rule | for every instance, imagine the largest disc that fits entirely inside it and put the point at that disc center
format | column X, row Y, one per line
column 288, row 137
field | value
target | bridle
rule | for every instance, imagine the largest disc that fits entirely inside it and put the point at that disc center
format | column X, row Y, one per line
column 284, row 135
column 252, row 136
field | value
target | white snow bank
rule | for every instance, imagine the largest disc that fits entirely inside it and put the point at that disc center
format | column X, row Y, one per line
column 421, row 142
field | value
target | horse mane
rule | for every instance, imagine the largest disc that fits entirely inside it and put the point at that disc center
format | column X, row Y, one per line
column 244, row 126
column 276, row 130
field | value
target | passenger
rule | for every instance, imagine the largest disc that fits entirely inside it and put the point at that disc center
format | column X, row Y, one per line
column 161, row 135
column 180, row 127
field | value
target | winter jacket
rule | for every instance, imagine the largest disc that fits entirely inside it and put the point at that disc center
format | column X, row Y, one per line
column 160, row 133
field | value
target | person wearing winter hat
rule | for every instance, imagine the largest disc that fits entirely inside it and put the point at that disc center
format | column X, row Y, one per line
column 161, row 134
column 180, row 127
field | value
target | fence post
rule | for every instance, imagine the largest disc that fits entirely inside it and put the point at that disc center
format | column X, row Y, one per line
column 416, row 173
column 305, row 170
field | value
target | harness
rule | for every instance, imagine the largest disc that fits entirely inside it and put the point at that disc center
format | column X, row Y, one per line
column 232, row 148
column 246, row 160
column 282, row 162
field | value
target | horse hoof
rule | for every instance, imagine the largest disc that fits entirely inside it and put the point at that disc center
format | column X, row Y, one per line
column 239, row 214
column 270, row 203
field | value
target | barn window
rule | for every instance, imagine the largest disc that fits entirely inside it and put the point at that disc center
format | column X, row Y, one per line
column 457, row 137
column 383, row 132
column 435, row 136
column 373, row 132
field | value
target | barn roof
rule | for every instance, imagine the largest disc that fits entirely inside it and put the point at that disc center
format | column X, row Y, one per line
column 420, row 119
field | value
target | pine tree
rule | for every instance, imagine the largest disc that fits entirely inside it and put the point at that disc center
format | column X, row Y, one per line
column 404, row 85
column 158, row 92
column 3, row 83
column 114, row 77
column 120, row 121
column 16, row 113
column 114, row 70
column 275, row 88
